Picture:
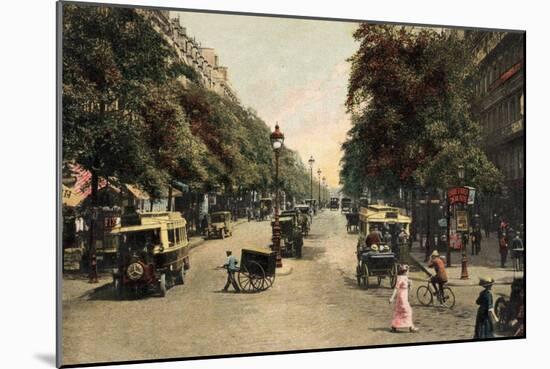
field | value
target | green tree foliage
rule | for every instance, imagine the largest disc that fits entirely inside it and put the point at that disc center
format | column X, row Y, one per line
column 127, row 115
column 110, row 58
column 409, row 97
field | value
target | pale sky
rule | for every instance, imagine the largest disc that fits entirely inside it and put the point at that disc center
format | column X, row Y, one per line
column 290, row 71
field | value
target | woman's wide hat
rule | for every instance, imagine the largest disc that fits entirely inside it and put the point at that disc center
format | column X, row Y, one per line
column 486, row 281
column 435, row 253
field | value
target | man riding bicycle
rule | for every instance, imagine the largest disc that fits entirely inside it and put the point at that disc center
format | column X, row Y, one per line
column 440, row 277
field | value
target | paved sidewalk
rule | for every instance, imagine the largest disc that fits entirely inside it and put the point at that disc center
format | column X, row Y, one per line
column 76, row 284
column 485, row 264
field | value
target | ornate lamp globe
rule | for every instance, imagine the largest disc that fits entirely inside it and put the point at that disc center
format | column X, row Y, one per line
column 277, row 138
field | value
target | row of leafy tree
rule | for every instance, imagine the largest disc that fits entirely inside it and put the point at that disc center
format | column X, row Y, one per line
column 133, row 113
column 410, row 97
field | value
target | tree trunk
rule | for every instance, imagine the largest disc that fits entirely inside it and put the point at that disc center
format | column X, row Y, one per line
column 93, row 214
column 169, row 205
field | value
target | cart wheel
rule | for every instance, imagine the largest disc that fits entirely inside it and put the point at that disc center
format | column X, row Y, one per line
column 393, row 276
column 162, row 285
column 251, row 279
column 268, row 282
column 424, row 295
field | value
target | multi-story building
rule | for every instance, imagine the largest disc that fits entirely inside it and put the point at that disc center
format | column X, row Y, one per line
column 500, row 109
column 203, row 60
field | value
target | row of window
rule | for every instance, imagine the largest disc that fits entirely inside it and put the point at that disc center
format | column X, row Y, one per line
column 510, row 162
column 176, row 236
column 498, row 67
column 502, row 114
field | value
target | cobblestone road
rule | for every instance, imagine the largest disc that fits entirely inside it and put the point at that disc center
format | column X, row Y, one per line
column 318, row 305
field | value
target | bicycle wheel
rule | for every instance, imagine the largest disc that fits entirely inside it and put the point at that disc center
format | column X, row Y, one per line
column 424, row 295
column 448, row 298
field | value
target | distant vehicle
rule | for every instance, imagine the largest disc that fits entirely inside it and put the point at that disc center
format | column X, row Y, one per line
column 382, row 217
column 334, row 203
column 305, row 218
column 346, row 205
column 266, row 208
column 352, row 221
column 291, row 233
column 153, row 254
column 221, row 225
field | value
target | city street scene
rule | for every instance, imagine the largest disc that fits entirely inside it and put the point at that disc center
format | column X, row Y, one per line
column 237, row 184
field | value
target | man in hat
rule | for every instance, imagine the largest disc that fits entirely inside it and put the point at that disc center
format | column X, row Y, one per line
column 485, row 313
column 440, row 277
column 231, row 266
column 373, row 238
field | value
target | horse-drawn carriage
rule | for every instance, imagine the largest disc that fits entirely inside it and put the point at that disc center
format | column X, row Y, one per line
column 509, row 311
column 257, row 269
column 352, row 221
column 376, row 261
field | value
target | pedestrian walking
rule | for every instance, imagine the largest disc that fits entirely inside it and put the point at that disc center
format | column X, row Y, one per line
column 476, row 240
column 503, row 249
column 517, row 252
column 486, row 316
column 402, row 311
column 231, row 267
column 204, row 224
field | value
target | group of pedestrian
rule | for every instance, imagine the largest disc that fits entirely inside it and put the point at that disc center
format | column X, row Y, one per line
column 510, row 240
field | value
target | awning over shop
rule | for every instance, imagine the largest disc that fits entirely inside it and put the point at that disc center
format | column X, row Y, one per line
column 137, row 192
column 70, row 197
column 181, row 186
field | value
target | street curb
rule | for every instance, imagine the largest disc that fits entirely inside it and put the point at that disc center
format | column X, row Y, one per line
column 470, row 283
column 285, row 273
column 201, row 240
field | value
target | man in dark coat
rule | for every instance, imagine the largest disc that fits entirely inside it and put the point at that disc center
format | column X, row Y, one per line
column 373, row 238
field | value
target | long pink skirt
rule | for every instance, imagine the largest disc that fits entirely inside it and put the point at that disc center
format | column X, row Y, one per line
column 402, row 311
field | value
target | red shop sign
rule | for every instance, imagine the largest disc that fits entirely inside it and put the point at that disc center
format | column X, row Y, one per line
column 457, row 195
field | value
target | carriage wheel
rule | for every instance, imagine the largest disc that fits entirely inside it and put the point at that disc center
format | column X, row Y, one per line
column 365, row 276
column 358, row 275
column 251, row 279
column 393, row 276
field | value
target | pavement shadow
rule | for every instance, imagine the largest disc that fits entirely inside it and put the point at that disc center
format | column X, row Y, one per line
column 312, row 253
column 351, row 283
column 107, row 293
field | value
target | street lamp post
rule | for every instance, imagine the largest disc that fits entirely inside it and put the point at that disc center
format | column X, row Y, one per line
column 311, row 161
column 324, row 190
column 277, row 139
column 464, row 266
column 319, row 175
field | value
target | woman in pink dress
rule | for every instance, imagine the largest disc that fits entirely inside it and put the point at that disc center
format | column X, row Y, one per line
column 402, row 311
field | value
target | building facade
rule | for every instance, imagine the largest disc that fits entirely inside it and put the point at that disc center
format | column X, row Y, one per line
column 203, row 60
column 499, row 107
